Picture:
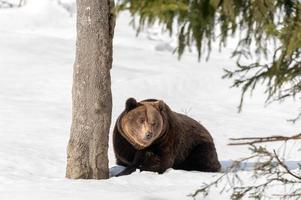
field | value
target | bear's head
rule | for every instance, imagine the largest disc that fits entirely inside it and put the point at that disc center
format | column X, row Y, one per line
column 142, row 122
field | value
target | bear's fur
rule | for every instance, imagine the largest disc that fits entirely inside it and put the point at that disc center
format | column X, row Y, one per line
column 175, row 140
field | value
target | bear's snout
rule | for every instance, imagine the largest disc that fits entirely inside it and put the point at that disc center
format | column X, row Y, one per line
column 148, row 135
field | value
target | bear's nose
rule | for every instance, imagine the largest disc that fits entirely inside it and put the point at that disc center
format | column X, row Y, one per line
column 148, row 135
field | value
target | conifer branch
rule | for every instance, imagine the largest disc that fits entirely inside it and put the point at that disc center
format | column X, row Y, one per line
column 256, row 140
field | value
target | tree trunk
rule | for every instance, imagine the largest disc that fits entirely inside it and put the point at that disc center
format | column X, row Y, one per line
column 91, row 92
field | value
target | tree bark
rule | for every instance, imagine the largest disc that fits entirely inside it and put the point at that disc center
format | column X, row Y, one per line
column 91, row 92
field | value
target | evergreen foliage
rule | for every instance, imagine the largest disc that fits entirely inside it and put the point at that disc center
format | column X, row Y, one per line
column 273, row 27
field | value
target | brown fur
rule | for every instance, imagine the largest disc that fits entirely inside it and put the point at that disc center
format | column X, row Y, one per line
column 182, row 143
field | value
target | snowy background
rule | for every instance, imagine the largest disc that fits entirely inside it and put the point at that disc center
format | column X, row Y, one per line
column 37, row 47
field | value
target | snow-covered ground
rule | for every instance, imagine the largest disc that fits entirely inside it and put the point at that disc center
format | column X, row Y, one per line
column 36, row 56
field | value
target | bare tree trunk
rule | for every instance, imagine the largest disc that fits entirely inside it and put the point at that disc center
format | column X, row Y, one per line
column 91, row 93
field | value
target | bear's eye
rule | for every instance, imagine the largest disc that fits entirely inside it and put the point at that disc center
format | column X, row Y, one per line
column 141, row 120
column 153, row 123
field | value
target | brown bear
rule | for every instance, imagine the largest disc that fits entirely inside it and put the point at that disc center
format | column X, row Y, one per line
column 149, row 136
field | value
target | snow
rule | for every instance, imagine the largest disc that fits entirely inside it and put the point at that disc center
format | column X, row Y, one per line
column 37, row 46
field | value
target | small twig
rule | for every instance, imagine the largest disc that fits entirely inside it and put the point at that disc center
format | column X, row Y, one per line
column 295, row 119
column 5, row 4
column 285, row 167
column 207, row 186
column 288, row 195
column 255, row 140
column 2, row 2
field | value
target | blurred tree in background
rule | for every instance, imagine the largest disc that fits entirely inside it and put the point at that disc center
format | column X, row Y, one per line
column 269, row 46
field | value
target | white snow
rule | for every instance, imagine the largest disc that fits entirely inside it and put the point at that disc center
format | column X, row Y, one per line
column 37, row 47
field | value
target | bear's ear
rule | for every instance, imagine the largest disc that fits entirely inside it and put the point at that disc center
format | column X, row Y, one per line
column 130, row 104
column 160, row 105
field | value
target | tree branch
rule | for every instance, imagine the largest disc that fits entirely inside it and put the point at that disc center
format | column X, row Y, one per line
column 256, row 140
column 285, row 167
